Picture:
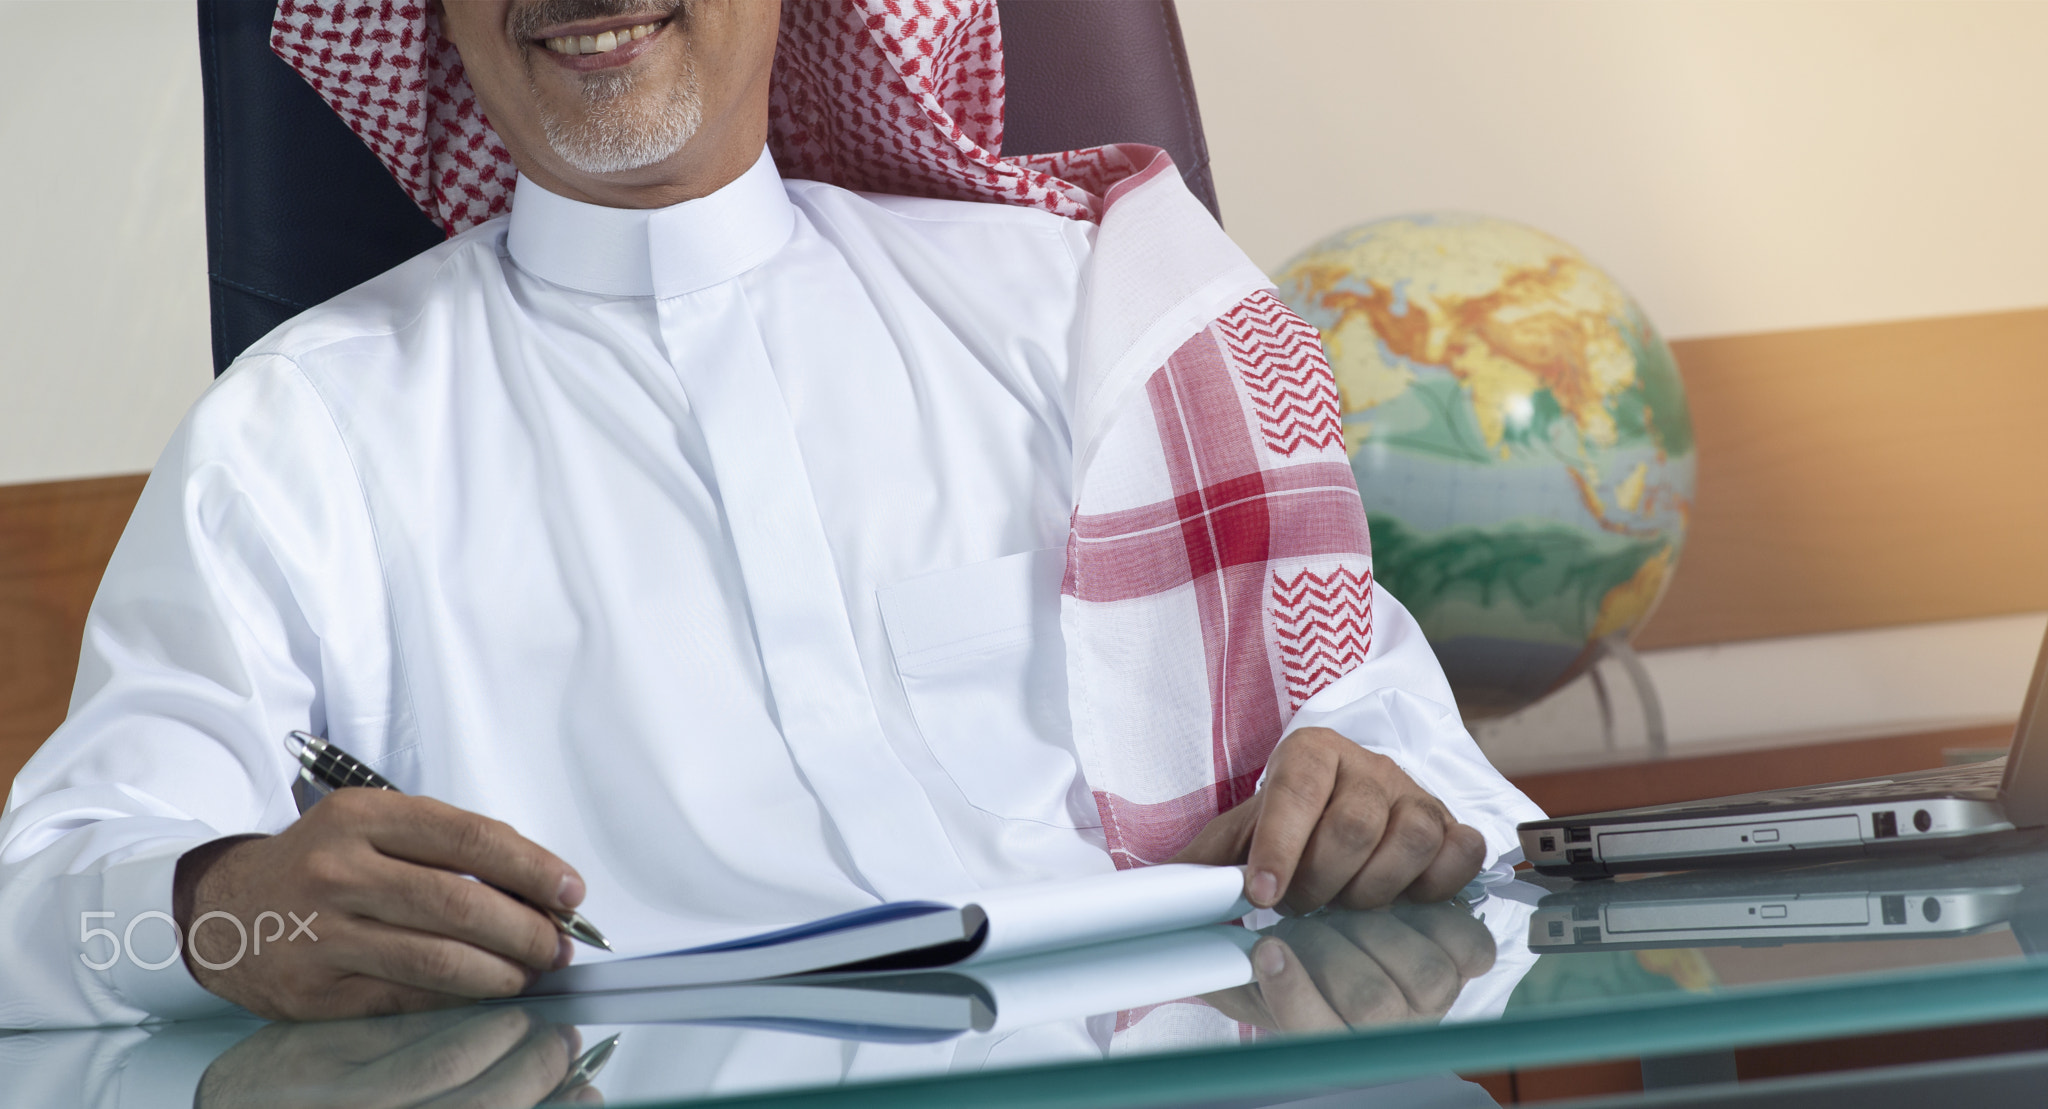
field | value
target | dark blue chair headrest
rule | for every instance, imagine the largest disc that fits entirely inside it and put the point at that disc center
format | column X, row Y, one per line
column 298, row 209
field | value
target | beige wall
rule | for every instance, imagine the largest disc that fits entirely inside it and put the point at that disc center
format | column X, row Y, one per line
column 103, row 328
column 1741, row 166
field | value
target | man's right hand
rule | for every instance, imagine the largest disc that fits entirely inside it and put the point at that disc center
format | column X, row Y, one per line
column 399, row 928
column 497, row 1056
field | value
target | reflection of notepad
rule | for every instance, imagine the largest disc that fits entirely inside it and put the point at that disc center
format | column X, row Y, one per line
column 938, row 1004
column 981, row 927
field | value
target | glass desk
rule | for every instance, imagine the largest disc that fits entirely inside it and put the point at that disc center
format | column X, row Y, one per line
column 1530, row 973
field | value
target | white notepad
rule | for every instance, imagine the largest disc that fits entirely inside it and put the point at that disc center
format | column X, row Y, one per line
column 902, row 935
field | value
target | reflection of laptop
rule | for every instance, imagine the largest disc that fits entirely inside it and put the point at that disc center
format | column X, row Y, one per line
column 1873, row 815
column 1861, row 900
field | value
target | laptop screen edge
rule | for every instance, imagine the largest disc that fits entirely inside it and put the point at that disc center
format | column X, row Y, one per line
column 2024, row 791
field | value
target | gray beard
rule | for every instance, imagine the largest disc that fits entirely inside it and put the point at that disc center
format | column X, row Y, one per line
column 617, row 133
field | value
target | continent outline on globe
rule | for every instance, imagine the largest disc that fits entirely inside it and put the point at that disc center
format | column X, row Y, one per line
column 1520, row 437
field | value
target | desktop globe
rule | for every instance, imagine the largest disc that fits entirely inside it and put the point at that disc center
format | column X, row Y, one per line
column 1520, row 437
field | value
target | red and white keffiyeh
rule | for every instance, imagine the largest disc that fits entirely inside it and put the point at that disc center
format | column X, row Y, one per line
column 1219, row 571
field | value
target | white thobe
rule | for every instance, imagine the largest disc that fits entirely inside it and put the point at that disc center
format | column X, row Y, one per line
column 715, row 547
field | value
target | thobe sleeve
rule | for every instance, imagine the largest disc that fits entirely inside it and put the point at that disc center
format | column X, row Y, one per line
column 1399, row 704
column 242, row 575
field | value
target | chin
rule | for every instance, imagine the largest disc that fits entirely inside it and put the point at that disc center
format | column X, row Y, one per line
column 621, row 121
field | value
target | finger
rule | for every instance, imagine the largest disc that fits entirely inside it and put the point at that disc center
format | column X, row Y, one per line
column 449, row 1058
column 1424, row 973
column 1299, row 781
column 359, row 1042
column 439, row 902
column 1224, row 840
column 427, row 962
column 1288, row 991
column 1414, row 832
column 1457, row 862
column 307, row 1066
column 1462, row 936
column 1342, row 842
column 428, row 832
column 1353, row 980
column 523, row 1076
column 1242, row 1004
column 331, row 991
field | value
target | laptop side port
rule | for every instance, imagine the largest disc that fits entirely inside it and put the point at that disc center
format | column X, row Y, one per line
column 1894, row 908
column 1578, row 835
column 1884, row 825
column 1546, row 844
column 1579, row 855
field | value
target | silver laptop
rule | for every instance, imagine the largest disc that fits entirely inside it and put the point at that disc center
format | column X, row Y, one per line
column 1902, row 813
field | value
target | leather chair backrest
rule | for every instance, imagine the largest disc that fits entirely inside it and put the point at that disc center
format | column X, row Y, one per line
column 1080, row 73
column 299, row 210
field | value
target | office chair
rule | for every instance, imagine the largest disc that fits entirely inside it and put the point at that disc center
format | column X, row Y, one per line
column 299, row 210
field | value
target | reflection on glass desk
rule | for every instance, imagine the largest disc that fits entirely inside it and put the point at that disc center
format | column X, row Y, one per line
column 1397, row 1000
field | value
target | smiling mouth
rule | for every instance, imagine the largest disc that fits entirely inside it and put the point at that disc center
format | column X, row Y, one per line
column 603, row 43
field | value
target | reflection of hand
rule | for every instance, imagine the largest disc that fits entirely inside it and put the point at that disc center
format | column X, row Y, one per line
column 1352, row 970
column 1335, row 824
column 491, row 1057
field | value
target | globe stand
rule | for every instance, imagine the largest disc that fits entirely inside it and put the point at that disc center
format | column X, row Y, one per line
column 1617, row 647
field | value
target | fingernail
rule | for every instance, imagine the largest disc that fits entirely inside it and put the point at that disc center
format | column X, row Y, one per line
column 572, row 1039
column 1265, row 888
column 570, row 893
column 1270, row 960
column 564, row 951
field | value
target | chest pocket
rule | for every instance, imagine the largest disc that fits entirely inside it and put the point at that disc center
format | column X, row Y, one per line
column 979, row 653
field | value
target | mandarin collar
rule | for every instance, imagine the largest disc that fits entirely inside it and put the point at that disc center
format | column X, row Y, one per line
column 660, row 252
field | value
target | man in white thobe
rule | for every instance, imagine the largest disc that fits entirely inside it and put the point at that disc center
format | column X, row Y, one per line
column 555, row 522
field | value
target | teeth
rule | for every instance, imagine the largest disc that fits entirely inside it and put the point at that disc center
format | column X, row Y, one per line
column 599, row 44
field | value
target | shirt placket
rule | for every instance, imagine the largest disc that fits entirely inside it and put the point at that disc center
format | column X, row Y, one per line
column 808, row 654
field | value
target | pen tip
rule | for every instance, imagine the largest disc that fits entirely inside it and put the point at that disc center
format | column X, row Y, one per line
column 580, row 928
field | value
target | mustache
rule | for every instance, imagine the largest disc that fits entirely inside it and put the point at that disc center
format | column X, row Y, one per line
column 527, row 21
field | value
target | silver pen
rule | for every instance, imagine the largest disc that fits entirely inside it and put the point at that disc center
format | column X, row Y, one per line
column 584, row 1070
column 327, row 767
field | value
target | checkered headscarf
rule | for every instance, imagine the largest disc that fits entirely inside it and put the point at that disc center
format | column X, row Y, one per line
column 1218, row 568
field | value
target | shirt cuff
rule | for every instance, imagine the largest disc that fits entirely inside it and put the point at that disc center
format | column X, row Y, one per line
column 151, row 974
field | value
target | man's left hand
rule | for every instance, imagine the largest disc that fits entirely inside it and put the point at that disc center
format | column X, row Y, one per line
column 1336, row 824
